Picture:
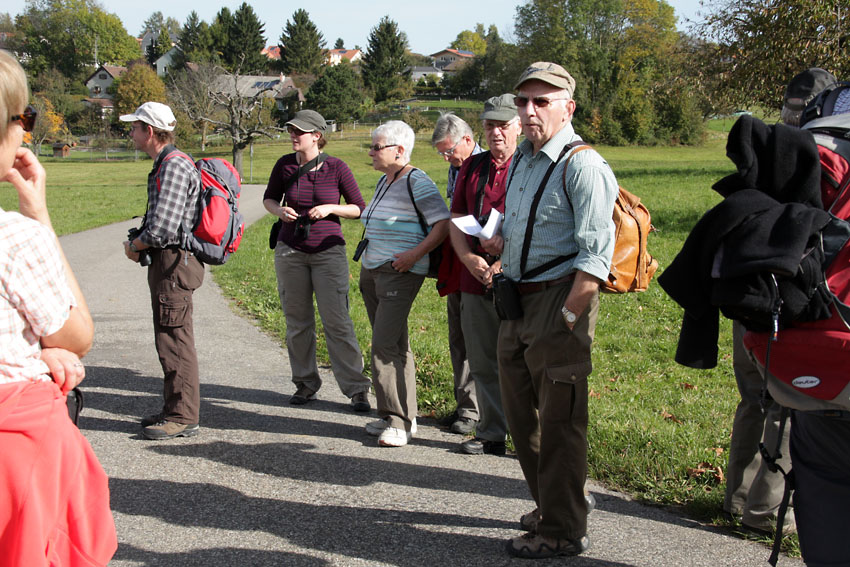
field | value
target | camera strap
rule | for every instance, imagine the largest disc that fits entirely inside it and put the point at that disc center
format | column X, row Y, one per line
column 315, row 162
column 380, row 195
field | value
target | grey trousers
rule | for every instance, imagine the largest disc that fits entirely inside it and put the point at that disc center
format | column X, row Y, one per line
column 752, row 490
column 388, row 296
column 465, row 395
column 325, row 274
column 481, row 333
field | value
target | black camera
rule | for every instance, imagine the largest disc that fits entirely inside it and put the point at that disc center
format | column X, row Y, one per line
column 302, row 227
column 506, row 298
column 361, row 247
column 144, row 255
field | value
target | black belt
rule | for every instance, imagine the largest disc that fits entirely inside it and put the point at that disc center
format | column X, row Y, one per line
column 534, row 287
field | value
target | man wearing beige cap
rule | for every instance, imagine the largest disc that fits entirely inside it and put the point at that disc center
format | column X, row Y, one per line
column 173, row 274
column 556, row 245
column 480, row 189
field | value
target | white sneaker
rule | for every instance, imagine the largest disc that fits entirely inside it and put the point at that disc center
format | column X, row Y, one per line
column 379, row 425
column 376, row 427
column 394, row 437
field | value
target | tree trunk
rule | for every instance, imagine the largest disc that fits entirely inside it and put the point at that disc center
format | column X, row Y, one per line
column 237, row 160
column 204, row 136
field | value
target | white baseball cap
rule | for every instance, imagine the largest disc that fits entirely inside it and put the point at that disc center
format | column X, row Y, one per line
column 156, row 114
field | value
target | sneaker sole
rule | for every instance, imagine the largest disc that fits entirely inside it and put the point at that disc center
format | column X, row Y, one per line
column 188, row 432
column 301, row 400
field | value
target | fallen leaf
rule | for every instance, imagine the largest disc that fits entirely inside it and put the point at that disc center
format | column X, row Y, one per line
column 666, row 415
column 687, row 386
column 594, row 394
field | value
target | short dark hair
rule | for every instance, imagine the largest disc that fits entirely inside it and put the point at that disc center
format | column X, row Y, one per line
column 163, row 136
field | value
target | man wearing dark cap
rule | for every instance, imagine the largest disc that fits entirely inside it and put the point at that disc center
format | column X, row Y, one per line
column 801, row 90
column 556, row 246
column 480, row 189
column 173, row 274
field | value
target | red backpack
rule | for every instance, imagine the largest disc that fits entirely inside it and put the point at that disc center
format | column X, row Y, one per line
column 813, row 357
column 218, row 231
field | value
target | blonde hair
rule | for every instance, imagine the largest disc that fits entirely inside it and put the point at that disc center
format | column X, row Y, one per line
column 14, row 92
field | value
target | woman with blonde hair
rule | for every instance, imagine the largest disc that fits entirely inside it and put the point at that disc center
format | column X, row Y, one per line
column 395, row 261
column 55, row 505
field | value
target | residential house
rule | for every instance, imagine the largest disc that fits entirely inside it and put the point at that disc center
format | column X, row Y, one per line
column 166, row 61
column 417, row 73
column 455, row 58
column 278, row 87
column 336, row 56
column 98, row 85
column 272, row 52
column 151, row 36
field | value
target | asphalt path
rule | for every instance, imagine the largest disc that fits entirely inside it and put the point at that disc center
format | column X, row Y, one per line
column 266, row 483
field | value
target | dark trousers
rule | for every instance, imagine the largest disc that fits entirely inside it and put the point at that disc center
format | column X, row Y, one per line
column 173, row 276
column 543, row 370
column 820, row 457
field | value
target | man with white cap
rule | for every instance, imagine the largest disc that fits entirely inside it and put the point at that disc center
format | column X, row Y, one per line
column 173, row 274
column 556, row 245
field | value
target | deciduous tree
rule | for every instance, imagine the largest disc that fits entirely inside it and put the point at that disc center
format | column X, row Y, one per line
column 385, row 60
column 138, row 85
column 468, row 40
column 49, row 126
column 755, row 47
column 302, row 45
column 72, row 36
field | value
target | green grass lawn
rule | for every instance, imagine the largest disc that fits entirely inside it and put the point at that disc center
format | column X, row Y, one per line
column 652, row 423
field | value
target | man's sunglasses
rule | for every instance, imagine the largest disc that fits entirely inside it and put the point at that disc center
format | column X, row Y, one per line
column 27, row 118
column 538, row 101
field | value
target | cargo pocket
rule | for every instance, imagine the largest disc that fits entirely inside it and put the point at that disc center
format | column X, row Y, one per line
column 173, row 310
column 566, row 399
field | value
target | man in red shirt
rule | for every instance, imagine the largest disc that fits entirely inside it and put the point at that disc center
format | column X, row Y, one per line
column 480, row 188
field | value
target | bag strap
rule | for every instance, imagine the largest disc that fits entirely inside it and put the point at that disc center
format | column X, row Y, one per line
column 316, row 161
column 422, row 223
column 532, row 215
column 482, row 162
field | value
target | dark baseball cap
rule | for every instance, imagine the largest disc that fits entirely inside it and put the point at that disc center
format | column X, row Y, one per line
column 501, row 108
column 308, row 121
column 805, row 86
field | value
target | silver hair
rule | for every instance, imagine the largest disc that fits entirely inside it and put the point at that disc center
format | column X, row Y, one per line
column 452, row 127
column 398, row 133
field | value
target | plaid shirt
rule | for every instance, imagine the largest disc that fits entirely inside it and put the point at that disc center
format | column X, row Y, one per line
column 173, row 188
column 35, row 299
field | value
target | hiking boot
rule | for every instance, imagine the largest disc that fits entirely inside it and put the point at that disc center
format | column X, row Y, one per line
column 463, row 425
column 151, row 419
column 536, row 546
column 448, row 420
column 377, row 427
column 530, row 521
column 480, row 446
column 394, row 437
column 165, row 429
column 302, row 395
column 360, row 402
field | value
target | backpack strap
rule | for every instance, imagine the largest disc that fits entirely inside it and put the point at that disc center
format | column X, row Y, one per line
column 532, row 214
column 482, row 162
column 422, row 223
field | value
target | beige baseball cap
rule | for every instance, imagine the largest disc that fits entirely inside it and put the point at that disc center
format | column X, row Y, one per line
column 551, row 73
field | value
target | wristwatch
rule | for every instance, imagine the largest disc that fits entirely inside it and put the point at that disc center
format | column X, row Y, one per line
column 569, row 316
column 133, row 248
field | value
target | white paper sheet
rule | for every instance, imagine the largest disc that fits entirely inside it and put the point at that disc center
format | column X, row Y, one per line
column 469, row 225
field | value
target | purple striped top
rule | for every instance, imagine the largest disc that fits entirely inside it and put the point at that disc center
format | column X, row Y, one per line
column 325, row 186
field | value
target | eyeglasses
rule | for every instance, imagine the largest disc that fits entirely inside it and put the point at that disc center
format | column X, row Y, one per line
column 450, row 152
column 538, row 101
column 296, row 131
column 378, row 147
column 27, row 118
column 488, row 125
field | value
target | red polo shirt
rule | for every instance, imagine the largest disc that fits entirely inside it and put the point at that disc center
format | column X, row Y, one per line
column 465, row 203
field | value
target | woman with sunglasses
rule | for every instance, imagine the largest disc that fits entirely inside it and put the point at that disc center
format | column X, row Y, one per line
column 304, row 192
column 49, row 475
column 395, row 262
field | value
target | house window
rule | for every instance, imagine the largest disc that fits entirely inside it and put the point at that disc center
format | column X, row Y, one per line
column 96, row 89
column 102, row 76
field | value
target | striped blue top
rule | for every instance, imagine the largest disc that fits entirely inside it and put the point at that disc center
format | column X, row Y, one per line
column 391, row 222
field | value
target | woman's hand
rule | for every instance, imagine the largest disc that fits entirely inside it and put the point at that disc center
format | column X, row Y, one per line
column 64, row 366
column 287, row 214
column 405, row 260
column 320, row 211
column 29, row 179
